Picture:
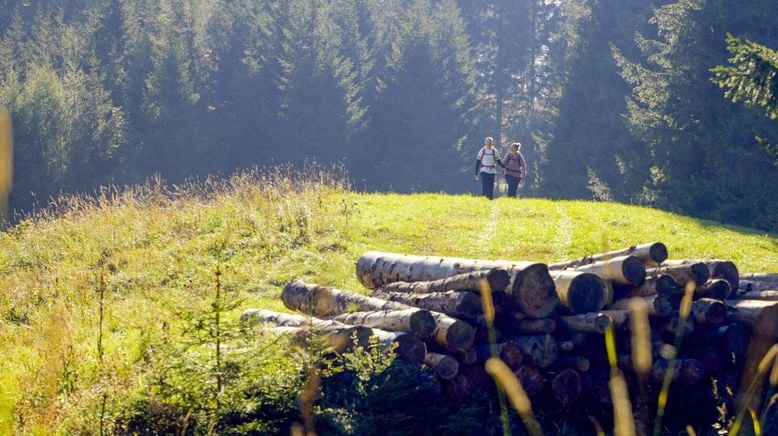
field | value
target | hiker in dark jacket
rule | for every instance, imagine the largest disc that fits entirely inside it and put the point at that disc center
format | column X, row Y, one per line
column 486, row 167
column 515, row 168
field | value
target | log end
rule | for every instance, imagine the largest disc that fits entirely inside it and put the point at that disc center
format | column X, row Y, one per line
column 567, row 386
column 700, row 272
column 633, row 270
column 534, row 291
column 422, row 323
column 728, row 271
column 460, row 336
column 498, row 279
column 587, row 293
column 410, row 349
column 658, row 252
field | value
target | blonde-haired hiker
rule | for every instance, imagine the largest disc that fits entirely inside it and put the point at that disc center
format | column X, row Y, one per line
column 515, row 168
column 486, row 167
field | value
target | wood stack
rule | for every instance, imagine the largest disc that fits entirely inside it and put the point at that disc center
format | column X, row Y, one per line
column 547, row 322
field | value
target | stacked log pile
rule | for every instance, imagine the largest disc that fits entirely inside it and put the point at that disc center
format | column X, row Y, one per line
column 547, row 322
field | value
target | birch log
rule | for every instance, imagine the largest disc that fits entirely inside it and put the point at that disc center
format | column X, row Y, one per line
column 684, row 271
column 446, row 367
column 767, row 294
column 719, row 289
column 497, row 278
column 452, row 334
column 657, row 305
column 621, row 270
column 339, row 339
column 663, row 284
column 417, row 321
column 592, row 322
column 580, row 292
column 723, row 269
column 318, row 300
column 409, row 347
column 455, row 303
column 541, row 350
column 708, row 310
column 758, row 282
column 650, row 254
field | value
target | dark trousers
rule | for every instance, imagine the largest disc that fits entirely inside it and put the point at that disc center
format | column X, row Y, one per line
column 487, row 184
column 513, row 184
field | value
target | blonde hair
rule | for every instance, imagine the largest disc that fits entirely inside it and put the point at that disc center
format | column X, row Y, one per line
column 517, row 145
column 489, row 139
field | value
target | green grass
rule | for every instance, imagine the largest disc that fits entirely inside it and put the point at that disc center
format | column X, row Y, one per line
column 158, row 251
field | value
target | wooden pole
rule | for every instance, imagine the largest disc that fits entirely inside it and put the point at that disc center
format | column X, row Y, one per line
column 318, row 300
column 622, row 270
column 580, row 292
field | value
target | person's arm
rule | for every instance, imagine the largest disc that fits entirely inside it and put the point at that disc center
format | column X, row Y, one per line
column 478, row 161
column 522, row 166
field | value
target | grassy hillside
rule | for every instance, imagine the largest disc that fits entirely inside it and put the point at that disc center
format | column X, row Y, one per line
column 109, row 302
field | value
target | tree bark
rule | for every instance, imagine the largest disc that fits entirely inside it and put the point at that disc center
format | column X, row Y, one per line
column 757, row 313
column 657, row 305
column 771, row 295
column 339, row 339
column 758, row 282
column 650, row 254
column 497, row 278
column 531, row 289
column 580, row 292
column 660, row 285
column 446, row 367
column 323, row 301
column 253, row 316
column 540, row 350
column 455, row 303
column 417, row 321
column 622, row 270
column 684, row 271
column 592, row 322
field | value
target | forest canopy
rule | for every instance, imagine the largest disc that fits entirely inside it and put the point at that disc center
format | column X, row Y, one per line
column 615, row 100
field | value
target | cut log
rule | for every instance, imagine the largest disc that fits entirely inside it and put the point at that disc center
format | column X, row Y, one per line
column 409, row 347
column 592, row 322
column 579, row 363
column 497, row 278
column 657, row 305
column 767, row 294
column 761, row 313
column 718, row 289
column 376, row 269
column 446, row 367
column 508, row 352
column 323, row 301
column 684, row 271
column 531, row 289
column 531, row 378
column 619, row 317
column 580, row 292
column 540, row 350
column 417, row 321
column 758, row 282
column 254, row 316
column 467, row 356
column 650, row 254
column 661, row 285
column 566, row 386
column 708, row 310
column 454, row 303
column 452, row 334
column 691, row 372
column 622, row 270
column 724, row 269
column 519, row 323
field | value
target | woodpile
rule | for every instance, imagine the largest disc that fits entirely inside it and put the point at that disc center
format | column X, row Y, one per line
column 548, row 323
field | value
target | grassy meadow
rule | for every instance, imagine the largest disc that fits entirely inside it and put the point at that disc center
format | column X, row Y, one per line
column 110, row 306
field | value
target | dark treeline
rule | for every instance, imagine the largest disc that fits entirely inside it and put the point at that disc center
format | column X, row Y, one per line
column 612, row 99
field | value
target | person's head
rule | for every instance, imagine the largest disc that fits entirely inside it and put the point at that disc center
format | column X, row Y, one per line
column 515, row 147
column 488, row 142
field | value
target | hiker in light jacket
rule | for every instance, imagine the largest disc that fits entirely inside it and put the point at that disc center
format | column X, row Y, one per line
column 515, row 168
column 486, row 166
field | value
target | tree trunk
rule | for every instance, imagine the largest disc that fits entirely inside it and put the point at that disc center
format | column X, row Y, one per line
column 758, row 282
column 452, row 334
column 660, row 285
column 339, row 339
column 622, row 270
column 708, row 310
column 254, row 316
column 497, row 278
column 724, row 269
column 540, row 350
column 650, row 254
column 618, row 316
column 325, row 301
column 455, row 303
column 409, row 348
column 592, row 322
column 446, row 367
column 657, row 305
column 684, row 271
column 566, row 386
column 761, row 313
column 417, row 321
column 718, row 289
column 580, row 292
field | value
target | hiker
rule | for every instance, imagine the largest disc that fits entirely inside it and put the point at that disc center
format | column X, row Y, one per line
column 515, row 168
column 486, row 167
